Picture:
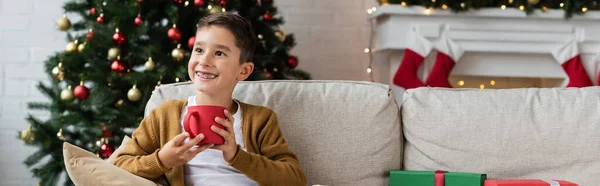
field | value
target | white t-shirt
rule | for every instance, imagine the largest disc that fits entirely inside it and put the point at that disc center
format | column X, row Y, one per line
column 209, row 167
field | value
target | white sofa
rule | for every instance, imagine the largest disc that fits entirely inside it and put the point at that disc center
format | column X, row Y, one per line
column 354, row 133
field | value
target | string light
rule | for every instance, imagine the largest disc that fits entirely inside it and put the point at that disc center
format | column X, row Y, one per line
column 369, row 11
column 176, row 79
column 521, row 7
column 462, row 5
column 503, row 7
column 209, row 7
column 461, row 83
column 482, row 86
column 584, row 9
column 403, row 3
column 562, row 5
column 544, row 8
column 374, row 9
column 428, row 11
column 444, row 6
column 492, row 82
column 510, row 1
column 370, row 48
column 223, row 9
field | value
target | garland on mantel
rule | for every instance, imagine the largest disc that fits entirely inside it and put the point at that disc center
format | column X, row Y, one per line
column 571, row 7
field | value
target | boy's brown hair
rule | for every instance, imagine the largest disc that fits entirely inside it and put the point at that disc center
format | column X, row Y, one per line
column 245, row 39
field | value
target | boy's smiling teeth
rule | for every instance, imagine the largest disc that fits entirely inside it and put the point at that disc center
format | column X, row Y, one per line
column 205, row 75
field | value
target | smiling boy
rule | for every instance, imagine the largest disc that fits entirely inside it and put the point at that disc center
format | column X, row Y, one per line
column 254, row 152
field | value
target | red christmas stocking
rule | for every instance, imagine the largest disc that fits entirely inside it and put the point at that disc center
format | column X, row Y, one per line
column 569, row 58
column 448, row 54
column 417, row 48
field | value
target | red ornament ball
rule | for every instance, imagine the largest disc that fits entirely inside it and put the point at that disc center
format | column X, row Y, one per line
column 93, row 11
column 107, row 134
column 117, row 66
column 89, row 35
column 81, row 92
column 199, row 3
column 191, row 42
column 177, row 1
column 106, row 150
column 267, row 16
column 119, row 38
column 223, row 3
column 138, row 21
column 174, row 34
column 292, row 62
column 100, row 19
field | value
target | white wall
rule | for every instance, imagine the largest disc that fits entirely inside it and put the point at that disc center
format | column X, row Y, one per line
column 331, row 36
column 27, row 36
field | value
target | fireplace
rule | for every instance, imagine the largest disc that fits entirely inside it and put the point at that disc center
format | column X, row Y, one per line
column 503, row 48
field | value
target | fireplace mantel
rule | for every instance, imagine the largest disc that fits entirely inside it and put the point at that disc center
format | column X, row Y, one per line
column 489, row 29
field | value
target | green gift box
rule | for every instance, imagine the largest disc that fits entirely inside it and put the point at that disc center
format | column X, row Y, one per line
column 435, row 178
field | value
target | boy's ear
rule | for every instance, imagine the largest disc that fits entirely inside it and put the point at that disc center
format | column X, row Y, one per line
column 247, row 69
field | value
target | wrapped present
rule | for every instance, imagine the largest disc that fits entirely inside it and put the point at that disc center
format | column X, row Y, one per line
column 435, row 178
column 528, row 183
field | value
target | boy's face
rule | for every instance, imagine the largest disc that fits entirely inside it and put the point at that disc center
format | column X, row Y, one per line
column 214, row 66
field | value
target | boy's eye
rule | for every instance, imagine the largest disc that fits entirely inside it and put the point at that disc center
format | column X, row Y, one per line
column 199, row 50
column 219, row 53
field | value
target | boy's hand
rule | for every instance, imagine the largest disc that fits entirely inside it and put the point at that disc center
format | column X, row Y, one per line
column 176, row 152
column 229, row 146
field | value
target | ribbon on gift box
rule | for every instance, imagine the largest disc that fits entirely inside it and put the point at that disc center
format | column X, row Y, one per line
column 552, row 182
column 439, row 178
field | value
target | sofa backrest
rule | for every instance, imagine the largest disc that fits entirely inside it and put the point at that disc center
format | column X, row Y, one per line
column 344, row 132
column 516, row 133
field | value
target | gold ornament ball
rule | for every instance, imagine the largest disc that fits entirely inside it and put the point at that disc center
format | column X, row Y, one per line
column 280, row 35
column 81, row 47
column 178, row 54
column 134, row 94
column 67, row 94
column 71, row 47
column 150, row 64
column 59, row 135
column 533, row 2
column 63, row 23
column 215, row 9
column 58, row 72
column 27, row 135
column 113, row 53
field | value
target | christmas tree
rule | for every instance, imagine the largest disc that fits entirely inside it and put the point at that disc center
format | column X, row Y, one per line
column 118, row 53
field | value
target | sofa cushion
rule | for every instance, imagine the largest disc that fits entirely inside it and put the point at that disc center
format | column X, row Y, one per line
column 516, row 133
column 84, row 168
column 344, row 133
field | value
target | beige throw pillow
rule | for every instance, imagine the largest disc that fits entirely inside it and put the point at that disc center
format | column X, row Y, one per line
column 116, row 153
column 84, row 168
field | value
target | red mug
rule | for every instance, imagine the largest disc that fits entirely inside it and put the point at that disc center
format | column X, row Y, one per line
column 199, row 119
